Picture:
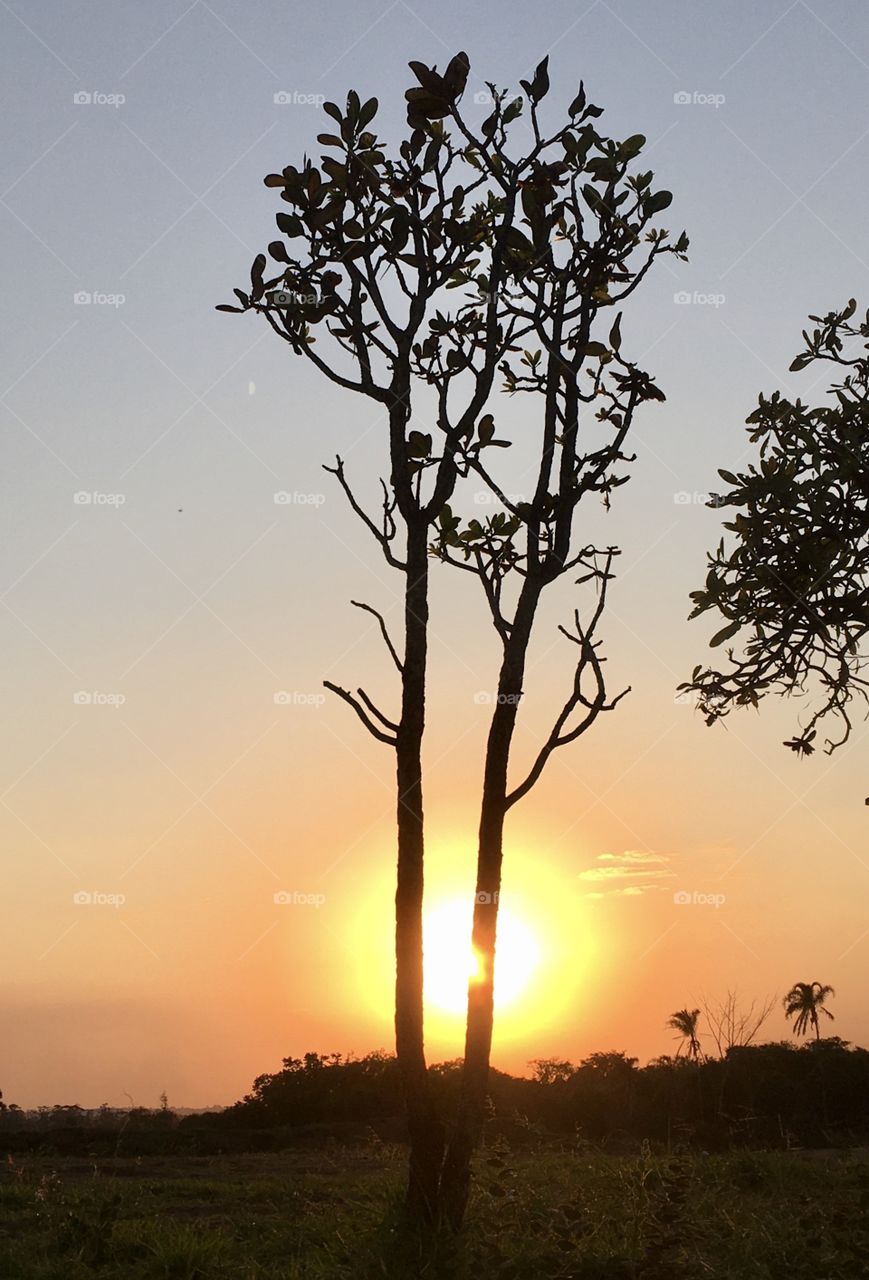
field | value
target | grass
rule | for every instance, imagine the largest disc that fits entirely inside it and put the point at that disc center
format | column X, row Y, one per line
column 331, row 1215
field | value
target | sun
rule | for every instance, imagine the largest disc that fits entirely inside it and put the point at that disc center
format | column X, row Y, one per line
column 450, row 964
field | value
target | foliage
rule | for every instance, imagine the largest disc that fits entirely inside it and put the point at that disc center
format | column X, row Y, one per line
column 793, row 584
column 567, row 1214
column 804, row 1002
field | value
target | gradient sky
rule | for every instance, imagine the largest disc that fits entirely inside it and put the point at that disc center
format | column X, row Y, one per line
column 198, row 796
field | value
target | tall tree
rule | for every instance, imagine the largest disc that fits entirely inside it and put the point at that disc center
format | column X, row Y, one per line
column 586, row 247
column 533, row 245
column 684, row 1022
column 793, row 583
column 804, row 1002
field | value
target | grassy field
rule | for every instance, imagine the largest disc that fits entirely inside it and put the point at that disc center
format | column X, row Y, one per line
column 333, row 1214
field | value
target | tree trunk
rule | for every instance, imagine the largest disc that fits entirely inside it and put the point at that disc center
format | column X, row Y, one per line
column 425, row 1129
column 468, row 1126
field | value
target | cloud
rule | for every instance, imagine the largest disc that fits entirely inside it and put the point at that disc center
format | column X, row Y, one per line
column 641, row 867
column 642, row 857
column 629, row 891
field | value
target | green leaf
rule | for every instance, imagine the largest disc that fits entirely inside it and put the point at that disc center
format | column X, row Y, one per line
column 456, row 74
column 615, row 338
column 418, row 445
column 724, row 634
column 256, row 276
column 486, row 428
column 659, row 201
column 513, row 111
column 578, row 102
column 540, row 84
column 368, row 112
column 633, row 145
column 290, row 224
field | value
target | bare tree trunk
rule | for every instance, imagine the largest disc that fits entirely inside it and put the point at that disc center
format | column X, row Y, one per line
column 425, row 1128
column 471, row 1113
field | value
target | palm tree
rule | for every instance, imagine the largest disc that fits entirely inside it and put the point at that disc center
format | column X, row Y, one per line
column 803, row 1002
column 684, row 1023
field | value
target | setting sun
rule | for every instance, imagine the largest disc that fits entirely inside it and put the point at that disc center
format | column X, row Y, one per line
column 450, row 963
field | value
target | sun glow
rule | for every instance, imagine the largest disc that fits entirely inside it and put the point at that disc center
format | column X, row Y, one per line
column 450, row 964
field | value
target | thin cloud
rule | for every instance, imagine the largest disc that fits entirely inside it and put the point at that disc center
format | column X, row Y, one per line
column 643, row 868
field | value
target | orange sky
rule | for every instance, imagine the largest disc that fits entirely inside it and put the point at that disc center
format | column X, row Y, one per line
column 182, row 598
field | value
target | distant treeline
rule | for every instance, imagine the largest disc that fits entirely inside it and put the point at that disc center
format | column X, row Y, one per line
column 768, row 1095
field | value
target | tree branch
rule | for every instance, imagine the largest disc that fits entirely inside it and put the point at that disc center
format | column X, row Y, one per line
column 372, row 728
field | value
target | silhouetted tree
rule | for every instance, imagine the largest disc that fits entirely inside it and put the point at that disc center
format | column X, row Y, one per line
column 535, row 243
column 733, row 1025
column 587, row 243
column 794, row 582
column 684, row 1023
column 804, row 1002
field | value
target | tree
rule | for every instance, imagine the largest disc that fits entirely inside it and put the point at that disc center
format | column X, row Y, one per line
column 534, row 244
column 684, row 1022
column 732, row 1025
column 588, row 247
column 794, row 584
column 804, row 1002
